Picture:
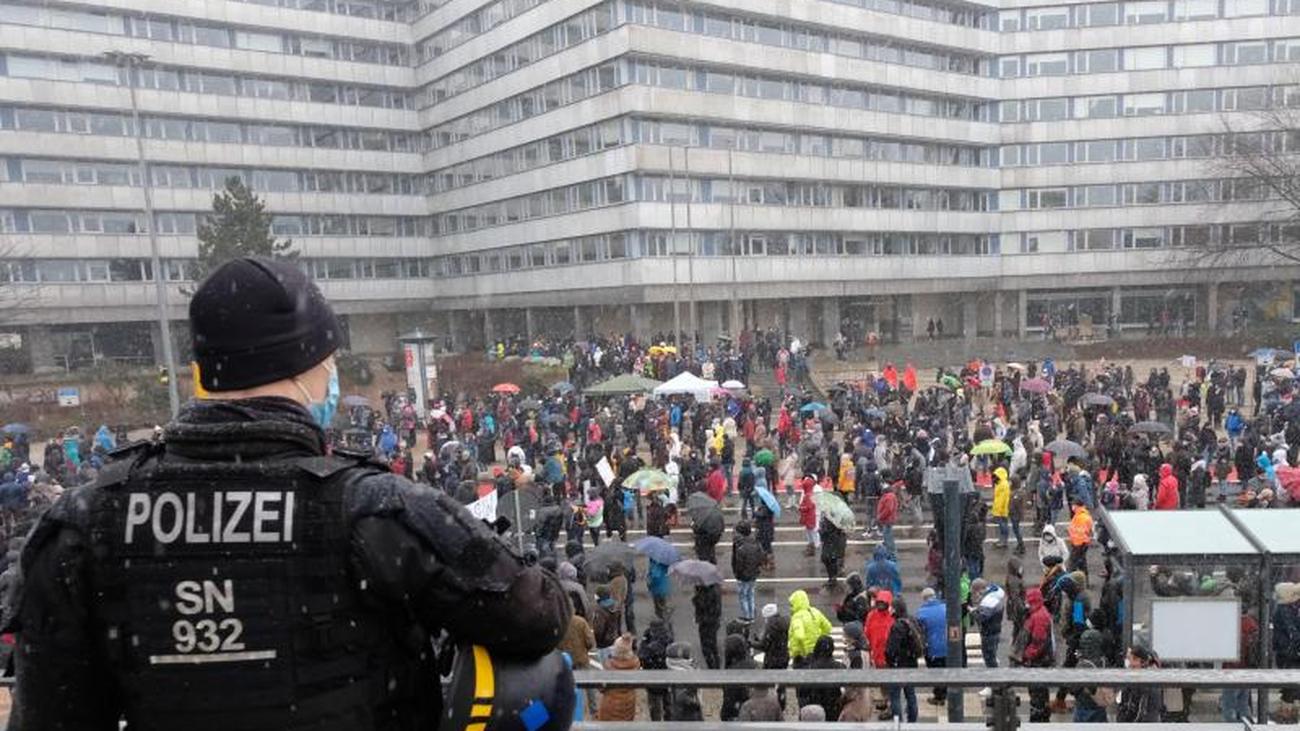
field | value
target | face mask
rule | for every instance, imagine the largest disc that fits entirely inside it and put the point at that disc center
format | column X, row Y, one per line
column 323, row 411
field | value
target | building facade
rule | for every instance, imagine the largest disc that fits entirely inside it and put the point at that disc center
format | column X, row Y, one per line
column 524, row 167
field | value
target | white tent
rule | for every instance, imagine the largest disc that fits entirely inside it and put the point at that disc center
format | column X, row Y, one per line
column 687, row 383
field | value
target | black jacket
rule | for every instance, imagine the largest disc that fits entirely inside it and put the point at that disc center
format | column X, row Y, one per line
column 775, row 643
column 735, row 654
column 746, row 558
column 454, row 574
column 708, row 605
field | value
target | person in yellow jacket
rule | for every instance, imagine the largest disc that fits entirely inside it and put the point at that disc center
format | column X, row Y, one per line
column 1001, row 509
column 807, row 625
column 848, row 478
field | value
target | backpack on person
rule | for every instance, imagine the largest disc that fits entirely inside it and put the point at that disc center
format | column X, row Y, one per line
column 605, row 625
column 917, row 635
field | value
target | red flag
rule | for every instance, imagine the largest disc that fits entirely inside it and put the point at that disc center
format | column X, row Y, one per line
column 891, row 376
column 909, row 377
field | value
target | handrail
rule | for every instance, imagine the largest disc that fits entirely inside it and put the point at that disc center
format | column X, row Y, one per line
column 949, row 677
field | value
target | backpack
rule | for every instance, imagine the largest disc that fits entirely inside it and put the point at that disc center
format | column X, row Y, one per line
column 1077, row 613
column 917, row 635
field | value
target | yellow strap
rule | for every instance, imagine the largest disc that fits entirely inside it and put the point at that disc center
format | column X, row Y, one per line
column 484, row 679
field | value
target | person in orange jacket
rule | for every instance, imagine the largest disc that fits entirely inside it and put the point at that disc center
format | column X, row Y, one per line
column 879, row 621
column 808, row 517
column 1167, row 492
column 1080, row 537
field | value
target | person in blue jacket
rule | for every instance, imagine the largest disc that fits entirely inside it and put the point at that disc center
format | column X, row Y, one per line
column 933, row 618
column 656, row 580
column 881, row 571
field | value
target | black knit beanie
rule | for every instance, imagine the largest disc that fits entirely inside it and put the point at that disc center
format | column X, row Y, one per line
column 256, row 321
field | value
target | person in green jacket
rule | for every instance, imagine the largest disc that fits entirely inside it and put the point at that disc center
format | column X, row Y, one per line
column 807, row 625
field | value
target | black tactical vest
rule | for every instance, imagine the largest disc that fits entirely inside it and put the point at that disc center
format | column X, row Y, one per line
column 225, row 602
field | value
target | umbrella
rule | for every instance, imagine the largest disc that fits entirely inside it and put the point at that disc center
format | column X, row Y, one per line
column 1035, row 385
column 733, row 385
column 828, row 415
column 16, row 429
column 950, row 381
column 609, row 552
column 509, row 388
column 769, row 500
column 1281, row 373
column 991, row 446
column 628, row 383
column 647, row 480
column 692, row 572
column 873, row 413
column 355, row 400
column 1017, row 367
column 555, row 418
column 812, row 406
column 764, row 458
column 700, row 505
column 1096, row 399
column 658, row 550
column 530, row 404
column 1065, row 449
column 834, row 509
column 563, row 387
column 1151, row 427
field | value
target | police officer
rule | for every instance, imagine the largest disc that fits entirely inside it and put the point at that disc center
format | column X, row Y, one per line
column 236, row 576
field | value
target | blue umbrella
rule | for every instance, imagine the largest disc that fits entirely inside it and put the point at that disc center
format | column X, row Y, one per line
column 563, row 387
column 16, row 429
column 814, row 406
column 769, row 500
column 657, row 549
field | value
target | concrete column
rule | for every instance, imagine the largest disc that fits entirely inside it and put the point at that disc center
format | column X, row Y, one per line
column 970, row 311
column 1212, row 307
column 579, row 331
column 1022, row 312
column 737, row 319
column 830, row 320
column 640, row 328
column 40, row 348
column 997, row 314
column 1116, row 305
column 489, row 329
column 529, row 323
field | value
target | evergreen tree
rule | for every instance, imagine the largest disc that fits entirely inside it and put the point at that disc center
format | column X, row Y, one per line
column 239, row 225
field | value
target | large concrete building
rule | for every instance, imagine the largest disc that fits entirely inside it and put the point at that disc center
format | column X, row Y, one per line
column 528, row 166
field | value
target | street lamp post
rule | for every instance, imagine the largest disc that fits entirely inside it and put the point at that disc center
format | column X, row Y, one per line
column 131, row 62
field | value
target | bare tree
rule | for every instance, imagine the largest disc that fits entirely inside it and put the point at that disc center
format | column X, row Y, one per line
column 1257, row 158
column 16, row 295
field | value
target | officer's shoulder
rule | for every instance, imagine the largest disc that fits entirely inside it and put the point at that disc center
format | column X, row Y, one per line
column 340, row 460
column 119, row 462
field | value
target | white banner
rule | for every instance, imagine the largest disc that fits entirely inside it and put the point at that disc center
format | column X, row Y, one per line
column 485, row 508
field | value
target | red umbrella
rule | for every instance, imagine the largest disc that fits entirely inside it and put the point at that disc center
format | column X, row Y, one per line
column 509, row 388
column 1035, row 385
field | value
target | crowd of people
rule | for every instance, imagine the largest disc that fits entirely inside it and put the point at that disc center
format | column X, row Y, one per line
column 1044, row 445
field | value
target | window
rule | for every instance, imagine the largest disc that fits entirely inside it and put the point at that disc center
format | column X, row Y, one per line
column 1139, row 105
column 1098, row 14
column 1095, row 107
column 1195, row 9
column 1096, row 62
column 1142, row 12
column 1054, row 153
column 1096, row 195
column 1242, row 8
column 1149, row 148
column 1047, row 64
column 1048, row 198
column 1047, row 18
column 1009, row 21
column 1203, row 54
column 1245, row 52
column 268, row 42
column 1046, row 110
column 1142, row 59
column 1009, row 67
column 1098, row 151
column 1194, row 101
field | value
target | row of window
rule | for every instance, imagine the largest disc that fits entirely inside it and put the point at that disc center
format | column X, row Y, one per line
column 1189, row 101
column 184, row 30
column 165, row 78
column 1138, row 308
column 399, row 11
column 1147, row 193
column 657, row 188
column 66, row 271
column 58, row 221
column 1137, row 12
column 970, row 16
column 577, row 29
column 657, row 243
column 1197, row 236
column 1146, row 58
column 32, row 119
column 676, row 16
column 1151, row 148
column 83, row 172
column 632, row 70
column 632, row 130
column 471, row 26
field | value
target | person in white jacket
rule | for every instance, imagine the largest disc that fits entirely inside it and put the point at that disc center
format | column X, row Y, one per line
column 1050, row 545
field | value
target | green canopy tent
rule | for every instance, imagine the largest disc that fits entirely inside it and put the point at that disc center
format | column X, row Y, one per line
column 623, row 385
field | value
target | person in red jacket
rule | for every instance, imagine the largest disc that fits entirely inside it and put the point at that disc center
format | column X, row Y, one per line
column 716, row 484
column 808, row 517
column 1036, row 639
column 880, row 620
column 1167, row 493
column 887, row 515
